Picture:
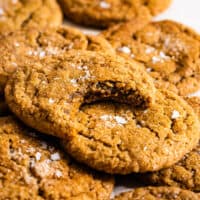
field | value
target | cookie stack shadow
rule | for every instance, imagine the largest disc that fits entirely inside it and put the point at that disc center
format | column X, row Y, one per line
column 79, row 113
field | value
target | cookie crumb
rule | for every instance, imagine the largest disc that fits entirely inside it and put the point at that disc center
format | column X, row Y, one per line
column 175, row 114
column 51, row 101
column 104, row 5
column 55, row 156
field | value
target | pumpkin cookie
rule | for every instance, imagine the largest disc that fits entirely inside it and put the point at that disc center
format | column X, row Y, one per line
column 158, row 193
column 21, row 47
column 16, row 14
column 169, row 51
column 29, row 161
column 184, row 174
column 103, row 13
column 121, row 139
column 48, row 95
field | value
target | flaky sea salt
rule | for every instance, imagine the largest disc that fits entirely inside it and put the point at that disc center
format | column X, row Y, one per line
column 38, row 156
column 104, row 5
column 124, row 49
column 14, row 1
column 175, row 114
column 55, row 156
column 156, row 59
column 58, row 173
column 149, row 50
column 16, row 44
column 195, row 94
column 148, row 69
column 120, row 120
column 1, row 11
column 42, row 54
column 106, row 117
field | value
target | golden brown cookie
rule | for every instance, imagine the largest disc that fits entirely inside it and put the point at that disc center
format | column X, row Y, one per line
column 122, row 139
column 33, row 167
column 48, row 95
column 24, row 46
column 16, row 14
column 184, row 174
column 158, row 193
column 103, row 13
column 169, row 51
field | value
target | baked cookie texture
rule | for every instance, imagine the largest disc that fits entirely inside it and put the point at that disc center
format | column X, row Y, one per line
column 33, row 167
column 32, row 44
column 158, row 193
column 184, row 174
column 169, row 51
column 49, row 94
column 121, row 139
column 194, row 102
column 104, row 13
column 17, row 14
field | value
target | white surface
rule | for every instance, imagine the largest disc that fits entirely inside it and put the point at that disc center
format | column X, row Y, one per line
column 184, row 11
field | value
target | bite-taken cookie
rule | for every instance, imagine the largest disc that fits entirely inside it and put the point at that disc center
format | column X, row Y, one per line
column 3, row 107
column 17, row 14
column 169, row 51
column 24, row 46
column 33, row 167
column 104, row 13
column 48, row 95
column 158, row 193
column 122, row 139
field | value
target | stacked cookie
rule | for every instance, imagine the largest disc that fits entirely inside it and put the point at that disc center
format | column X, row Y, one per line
column 78, row 109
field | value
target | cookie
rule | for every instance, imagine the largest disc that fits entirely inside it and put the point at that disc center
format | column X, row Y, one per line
column 158, row 193
column 31, row 44
column 104, row 13
column 121, row 139
column 184, row 174
column 48, row 95
column 32, row 161
column 16, row 14
column 169, row 51
column 3, row 107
